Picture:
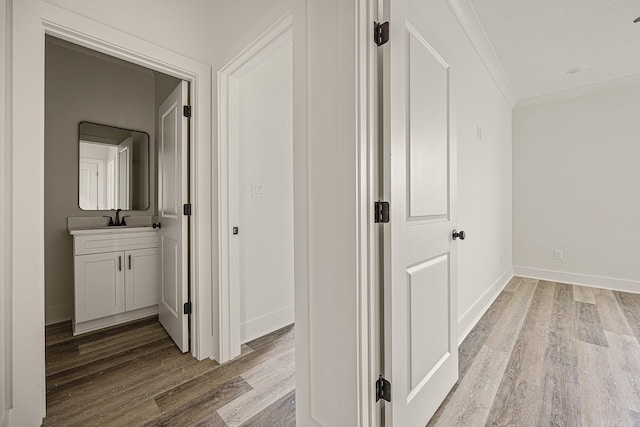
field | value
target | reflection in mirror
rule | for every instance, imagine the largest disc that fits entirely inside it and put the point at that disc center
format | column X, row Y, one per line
column 113, row 168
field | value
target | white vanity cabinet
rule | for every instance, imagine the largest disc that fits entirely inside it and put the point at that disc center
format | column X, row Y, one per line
column 117, row 276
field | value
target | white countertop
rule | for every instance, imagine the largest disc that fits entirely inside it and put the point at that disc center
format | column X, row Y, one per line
column 110, row 230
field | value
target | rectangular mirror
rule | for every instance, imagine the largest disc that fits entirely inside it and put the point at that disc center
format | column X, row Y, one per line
column 113, row 168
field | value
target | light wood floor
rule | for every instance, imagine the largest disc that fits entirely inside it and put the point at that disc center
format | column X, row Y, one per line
column 550, row 354
column 133, row 375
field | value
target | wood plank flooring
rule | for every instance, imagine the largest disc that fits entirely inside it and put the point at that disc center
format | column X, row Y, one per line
column 133, row 375
column 550, row 354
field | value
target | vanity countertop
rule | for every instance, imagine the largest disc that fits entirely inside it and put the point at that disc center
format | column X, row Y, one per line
column 109, row 230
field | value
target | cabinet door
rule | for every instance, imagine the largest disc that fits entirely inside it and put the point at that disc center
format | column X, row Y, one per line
column 99, row 289
column 142, row 278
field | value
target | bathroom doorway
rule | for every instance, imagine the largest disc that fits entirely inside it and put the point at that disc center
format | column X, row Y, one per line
column 109, row 147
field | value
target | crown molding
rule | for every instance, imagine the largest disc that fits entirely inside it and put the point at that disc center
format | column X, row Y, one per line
column 470, row 23
column 631, row 80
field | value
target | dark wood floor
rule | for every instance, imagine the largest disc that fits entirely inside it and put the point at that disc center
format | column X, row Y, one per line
column 133, row 375
column 550, row 354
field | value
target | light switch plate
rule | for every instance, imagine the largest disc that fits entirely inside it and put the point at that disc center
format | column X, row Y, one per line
column 257, row 190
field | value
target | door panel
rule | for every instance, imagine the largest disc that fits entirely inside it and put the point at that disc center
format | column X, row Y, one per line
column 428, row 306
column 124, row 173
column 427, row 93
column 99, row 286
column 172, row 194
column 142, row 278
column 170, row 279
column 170, row 155
column 421, row 356
column 88, row 185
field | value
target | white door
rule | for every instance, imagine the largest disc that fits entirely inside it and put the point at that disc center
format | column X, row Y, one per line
column 99, row 289
column 172, row 195
column 421, row 351
column 88, row 184
column 142, row 278
column 124, row 174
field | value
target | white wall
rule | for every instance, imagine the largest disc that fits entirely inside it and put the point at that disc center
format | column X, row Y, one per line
column 577, row 189
column 81, row 87
column 265, row 140
column 484, row 171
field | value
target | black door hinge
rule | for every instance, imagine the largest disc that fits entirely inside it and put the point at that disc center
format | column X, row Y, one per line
column 383, row 389
column 187, row 308
column 381, row 32
column 381, row 212
column 186, row 111
column 187, row 209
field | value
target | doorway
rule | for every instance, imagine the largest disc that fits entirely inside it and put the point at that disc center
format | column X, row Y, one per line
column 116, row 162
column 256, row 129
column 108, row 152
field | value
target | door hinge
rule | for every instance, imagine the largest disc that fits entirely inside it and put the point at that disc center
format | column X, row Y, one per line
column 383, row 389
column 381, row 212
column 186, row 111
column 187, row 308
column 187, row 209
column 381, row 32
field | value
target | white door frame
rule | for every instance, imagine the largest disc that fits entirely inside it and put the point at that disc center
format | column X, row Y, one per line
column 256, row 53
column 27, row 130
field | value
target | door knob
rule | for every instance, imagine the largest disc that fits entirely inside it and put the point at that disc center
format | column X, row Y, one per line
column 461, row 234
column 158, row 225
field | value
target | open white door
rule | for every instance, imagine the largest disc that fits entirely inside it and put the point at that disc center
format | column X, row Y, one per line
column 421, row 351
column 88, row 184
column 172, row 195
column 125, row 159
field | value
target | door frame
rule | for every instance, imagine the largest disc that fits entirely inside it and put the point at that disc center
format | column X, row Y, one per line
column 196, row 75
column 270, row 42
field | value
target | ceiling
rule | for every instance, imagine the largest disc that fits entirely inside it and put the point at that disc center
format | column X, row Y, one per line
column 539, row 41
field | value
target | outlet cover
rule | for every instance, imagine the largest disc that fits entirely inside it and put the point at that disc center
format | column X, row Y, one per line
column 558, row 254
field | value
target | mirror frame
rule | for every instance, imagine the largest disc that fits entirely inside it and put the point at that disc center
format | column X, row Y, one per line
column 148, row 168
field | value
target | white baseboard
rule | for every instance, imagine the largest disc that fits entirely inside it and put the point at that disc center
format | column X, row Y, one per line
column 116, row 319
column 623, row 285
column 263, row 325
column 5, row 419
column 469, row 319
column 58, row 313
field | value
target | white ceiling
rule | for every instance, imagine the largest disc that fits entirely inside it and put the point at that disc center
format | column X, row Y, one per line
column 538, row 41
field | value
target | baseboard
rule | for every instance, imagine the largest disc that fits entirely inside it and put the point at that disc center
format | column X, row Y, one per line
column 623, row 285
column 58, row 313
column 116, row 319
column 266, row 324
column 469, row 319
column 4, row 420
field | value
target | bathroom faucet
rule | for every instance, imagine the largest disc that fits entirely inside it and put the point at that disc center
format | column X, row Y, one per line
column 117, row 221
